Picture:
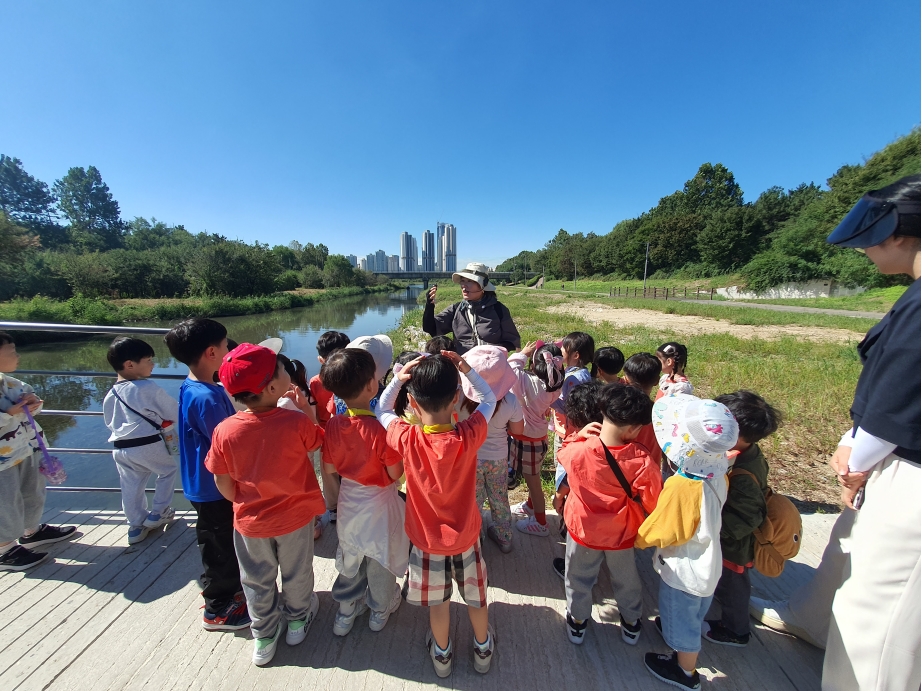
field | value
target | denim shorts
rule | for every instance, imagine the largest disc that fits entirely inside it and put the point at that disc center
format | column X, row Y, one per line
column 681, row 615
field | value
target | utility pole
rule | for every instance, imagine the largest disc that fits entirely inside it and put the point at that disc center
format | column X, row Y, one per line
column 645, row 260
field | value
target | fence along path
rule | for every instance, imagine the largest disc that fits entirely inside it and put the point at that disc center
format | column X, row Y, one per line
column 113, row 616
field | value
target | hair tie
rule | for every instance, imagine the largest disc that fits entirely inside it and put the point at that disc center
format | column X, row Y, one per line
column 554, row 368
column 397, row 368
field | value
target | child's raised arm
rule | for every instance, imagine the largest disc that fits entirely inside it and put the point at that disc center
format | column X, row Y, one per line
column 385, row 409
column 486, row 396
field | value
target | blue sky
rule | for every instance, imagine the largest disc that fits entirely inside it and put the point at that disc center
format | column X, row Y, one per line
column 347, row 123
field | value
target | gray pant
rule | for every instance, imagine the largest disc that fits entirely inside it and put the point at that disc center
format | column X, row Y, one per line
column 22, row 498
column 583, row 566
column 135, row 466
column 372, row 581
column 260, row 560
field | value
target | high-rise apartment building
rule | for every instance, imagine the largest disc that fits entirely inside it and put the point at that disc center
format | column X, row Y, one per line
column 353, row 260
column 428, row 251
column 393, row 263
column 409, row 252
column 363, row 264
column 449, row 252
column 439, row 246
column 380, row 261
column 370, row 262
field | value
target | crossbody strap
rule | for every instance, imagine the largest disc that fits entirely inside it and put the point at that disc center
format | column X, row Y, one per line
column 622, row 480
column 143, row 417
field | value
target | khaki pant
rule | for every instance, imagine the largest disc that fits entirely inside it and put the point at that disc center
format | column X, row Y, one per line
column 875, row 634
column 22, row 498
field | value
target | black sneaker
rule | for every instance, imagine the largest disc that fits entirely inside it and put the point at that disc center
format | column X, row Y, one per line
column 630, row 633
column 560, row 567
column 19, row 559
column 666, row 669
column 659, row 626
column 512, row 479
column 233, row 617
column 576, row 632
column 46, row 534
column 720, row 634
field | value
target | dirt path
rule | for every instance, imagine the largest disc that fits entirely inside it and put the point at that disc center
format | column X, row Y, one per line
column 688, row 325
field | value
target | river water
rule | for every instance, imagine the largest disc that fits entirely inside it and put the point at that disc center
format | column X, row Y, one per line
column 299, row 329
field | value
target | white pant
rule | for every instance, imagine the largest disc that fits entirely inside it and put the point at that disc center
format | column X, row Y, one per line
column 875, row 635
column 135, row 466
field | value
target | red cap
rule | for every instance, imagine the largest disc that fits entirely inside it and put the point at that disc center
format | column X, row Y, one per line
column 247, row 367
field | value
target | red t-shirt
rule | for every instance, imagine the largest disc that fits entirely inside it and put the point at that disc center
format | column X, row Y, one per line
column 322, row 396
column 597, row 512
column 357, row 446
column 442, row 516
column 275, row 489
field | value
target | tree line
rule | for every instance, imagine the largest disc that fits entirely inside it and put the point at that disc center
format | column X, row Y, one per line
column 706, row 229
column 69, row 239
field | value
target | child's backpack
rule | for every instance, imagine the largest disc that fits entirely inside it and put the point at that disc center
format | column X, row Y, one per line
column 778, row 538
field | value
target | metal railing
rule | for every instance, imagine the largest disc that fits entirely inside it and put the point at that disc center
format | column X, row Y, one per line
column 88, row 329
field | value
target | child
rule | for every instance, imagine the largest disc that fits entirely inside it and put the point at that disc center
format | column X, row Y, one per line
column 604, row 508
column 642, row 371
column 685, row 527
column 673, row 358
column 437, row 344
column 442, row 519
column 400, row 405
column 382, row 350
column 328, row 343
column 134, row 410
column 492, row 364
column 743, row 512
column 22, row 486
column 607, row 364
column 201, row 344
column 535, row 389
column 260, row 463
column 373, row 546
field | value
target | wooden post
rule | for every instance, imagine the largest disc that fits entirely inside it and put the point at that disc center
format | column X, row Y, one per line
column 712, row 293
column 667, row 292
column 685, row 292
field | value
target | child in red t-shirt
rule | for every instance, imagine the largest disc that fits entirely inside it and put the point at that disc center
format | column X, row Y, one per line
column 603, row 516
column 259, row 458
column 328, row 343
column 642, row 371
column 373, row 544
column 442, row 517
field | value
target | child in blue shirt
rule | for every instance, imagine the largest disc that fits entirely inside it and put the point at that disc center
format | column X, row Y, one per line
column 202, row 344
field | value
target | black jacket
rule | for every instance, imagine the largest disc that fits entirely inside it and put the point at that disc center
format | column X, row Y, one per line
column 494, row 324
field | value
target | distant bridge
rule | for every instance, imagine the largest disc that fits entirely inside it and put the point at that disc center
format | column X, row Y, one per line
column 435, row 276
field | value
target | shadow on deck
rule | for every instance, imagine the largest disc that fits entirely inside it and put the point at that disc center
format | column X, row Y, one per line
column 106, row 615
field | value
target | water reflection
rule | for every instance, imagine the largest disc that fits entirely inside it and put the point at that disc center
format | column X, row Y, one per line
column 299, row 328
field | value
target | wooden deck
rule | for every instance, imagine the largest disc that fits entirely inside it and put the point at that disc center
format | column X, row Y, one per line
column 104, row 615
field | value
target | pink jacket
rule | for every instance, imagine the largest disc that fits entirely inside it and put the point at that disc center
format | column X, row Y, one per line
column 533, row 397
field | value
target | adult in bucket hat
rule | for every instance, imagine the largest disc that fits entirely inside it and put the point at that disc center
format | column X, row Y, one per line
column 870, row 623
column 479, row 319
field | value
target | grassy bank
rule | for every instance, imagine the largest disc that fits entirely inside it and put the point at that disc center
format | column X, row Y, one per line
column 80, row 310
column 874, row 300
column 812, row 383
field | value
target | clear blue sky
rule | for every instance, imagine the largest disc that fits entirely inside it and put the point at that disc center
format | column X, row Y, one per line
column 347, row 123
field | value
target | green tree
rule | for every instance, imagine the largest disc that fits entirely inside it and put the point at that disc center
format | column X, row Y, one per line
column 233, row 268
column 314, row 255
column 338, row 272
column 85, row 200
column 712, row 188
column 730, row 238
column 28, row 202
column 15, row 242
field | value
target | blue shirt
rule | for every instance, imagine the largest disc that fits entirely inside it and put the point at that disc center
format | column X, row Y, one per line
column 573, row 377
column 201, row 407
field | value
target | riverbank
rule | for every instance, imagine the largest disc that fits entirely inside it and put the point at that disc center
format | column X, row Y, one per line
column 80, row 310
column 811, row 379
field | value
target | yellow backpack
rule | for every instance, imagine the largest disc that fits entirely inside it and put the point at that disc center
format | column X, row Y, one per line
column 778, row 538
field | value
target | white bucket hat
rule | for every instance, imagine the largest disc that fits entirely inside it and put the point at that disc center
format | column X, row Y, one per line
column 381, row 349
column 695, row 433
column 475, row 272
column 273, row 344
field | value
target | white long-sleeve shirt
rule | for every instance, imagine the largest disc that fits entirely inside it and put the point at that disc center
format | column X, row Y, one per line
column 867, row 450
column 145, row 397
column 385, row 408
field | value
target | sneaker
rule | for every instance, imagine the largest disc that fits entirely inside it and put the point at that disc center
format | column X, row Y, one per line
column 137, row 533
column 778, row 616
column 344, row 619
column 378, row 620
column 659, row 626
column 523, row 510
column 46, row 534
column 483, row 656
column 155, row 520
column 530, row 526
column 19, row 558
column 441, row 661
column 718, row 633
column 630, row 633
column 512, row 479
column 329, row 516
column 576, row 631
column 264, row 648
column 505, row 546
column 233, row 617
column 560, row 567
column 666, row 668
column 297, row 629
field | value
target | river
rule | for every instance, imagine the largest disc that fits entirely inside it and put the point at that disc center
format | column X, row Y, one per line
column 299, row 329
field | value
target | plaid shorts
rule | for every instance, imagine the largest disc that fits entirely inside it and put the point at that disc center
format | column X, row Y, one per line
column 526, row 457
column 431, row 576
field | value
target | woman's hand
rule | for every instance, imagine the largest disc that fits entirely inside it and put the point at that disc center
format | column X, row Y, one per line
column 30, row 401
column 430, row 296
column 458, row 361
column 839, row 460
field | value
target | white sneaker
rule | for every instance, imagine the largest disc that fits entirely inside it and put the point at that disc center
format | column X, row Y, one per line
column 346, row 616
column 522, row 509
column 137, row 533
column 483, row 658
column 378, row 620
column 775, row 614
column 264, row 648
column 440, row 661
column 155, row 520
column 297, row 630
column 530, row 526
